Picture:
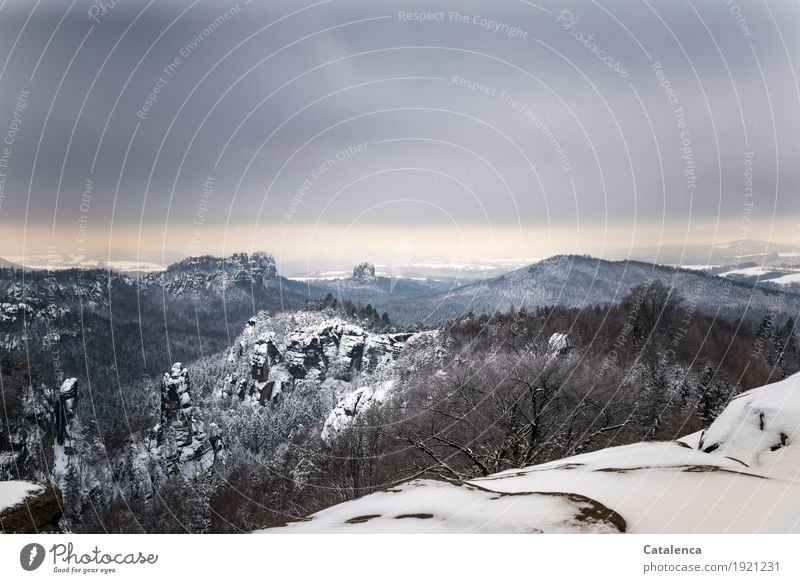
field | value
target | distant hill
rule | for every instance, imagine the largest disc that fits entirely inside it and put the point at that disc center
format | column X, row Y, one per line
column 728, row 253
column 572, row 280
column 7, row 263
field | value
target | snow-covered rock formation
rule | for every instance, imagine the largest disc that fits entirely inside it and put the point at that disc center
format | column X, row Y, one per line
column 195, row 275
column 741, row 475
column 278, row 354
column 461, row 508
column 355, row 403
column 558, row 344
column 182, row 444
column 13, row 312
column 186, row 445
column 45, row 443
column 46, row 421
column 66, row 429
column 364, row 273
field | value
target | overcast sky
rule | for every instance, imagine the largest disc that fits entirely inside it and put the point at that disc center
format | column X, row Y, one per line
column 336, row 131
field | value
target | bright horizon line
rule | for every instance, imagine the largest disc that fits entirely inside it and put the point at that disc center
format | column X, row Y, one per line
column 309, row 247
column 440, row 263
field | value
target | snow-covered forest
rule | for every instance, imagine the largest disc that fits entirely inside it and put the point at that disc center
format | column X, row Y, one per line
column 325, row 400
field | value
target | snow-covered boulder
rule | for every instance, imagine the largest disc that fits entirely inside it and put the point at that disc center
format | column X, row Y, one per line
column 760, row 428
column 558, row 344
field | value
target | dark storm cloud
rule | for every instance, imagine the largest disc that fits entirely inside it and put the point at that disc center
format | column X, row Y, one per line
column 343, row 112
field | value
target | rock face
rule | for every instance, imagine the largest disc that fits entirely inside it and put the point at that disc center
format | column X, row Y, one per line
column 187, row 447
column 66, row 432
column 181, row 444
column 65, row 410
column 195, row 275
column 45, row 443
column 364, row 273
column 29, row 508
column 49, row 296
column 274, row 354
column 319, row 352
column 22, row 437
column 355, row 403
column 38, row 439
column 44, row 296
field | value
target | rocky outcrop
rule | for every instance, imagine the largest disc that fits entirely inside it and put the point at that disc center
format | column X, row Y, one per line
column 196, row 275
column 364, row 273
column 52, row 295
column 186, row 446
column 66, row 403
column 44, row 441
column 25, row 436
column 13, row 312
column 66, row 435
column 38, row 438
column 352, row 405
column 558, row 344
column 339, row 348
column 348, row 366
column 29, row 508
column 48, row 295
column 274, row 354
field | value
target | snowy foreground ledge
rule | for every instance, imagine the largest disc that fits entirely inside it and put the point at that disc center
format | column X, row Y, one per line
column 14, row 493
column 741, row 475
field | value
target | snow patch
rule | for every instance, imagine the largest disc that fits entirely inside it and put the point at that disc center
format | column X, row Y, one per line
column 15, row 492
column 442, row 507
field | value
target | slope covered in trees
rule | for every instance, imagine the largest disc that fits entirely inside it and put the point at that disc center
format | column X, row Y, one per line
column 480, row 395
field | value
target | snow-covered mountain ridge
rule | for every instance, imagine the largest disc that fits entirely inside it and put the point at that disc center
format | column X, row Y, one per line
column 741, row 474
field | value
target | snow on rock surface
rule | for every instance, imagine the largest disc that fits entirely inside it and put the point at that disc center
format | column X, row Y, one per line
column 435, row 506
column 761, row 428
column 15, row 492
column 352, row 365
column 558, row 344
column 740, row 476
column 199, row 274
column 353, row 404
column 188, row 448
column 29, row 508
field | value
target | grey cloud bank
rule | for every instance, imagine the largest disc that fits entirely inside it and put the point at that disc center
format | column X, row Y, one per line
column 606, row 118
